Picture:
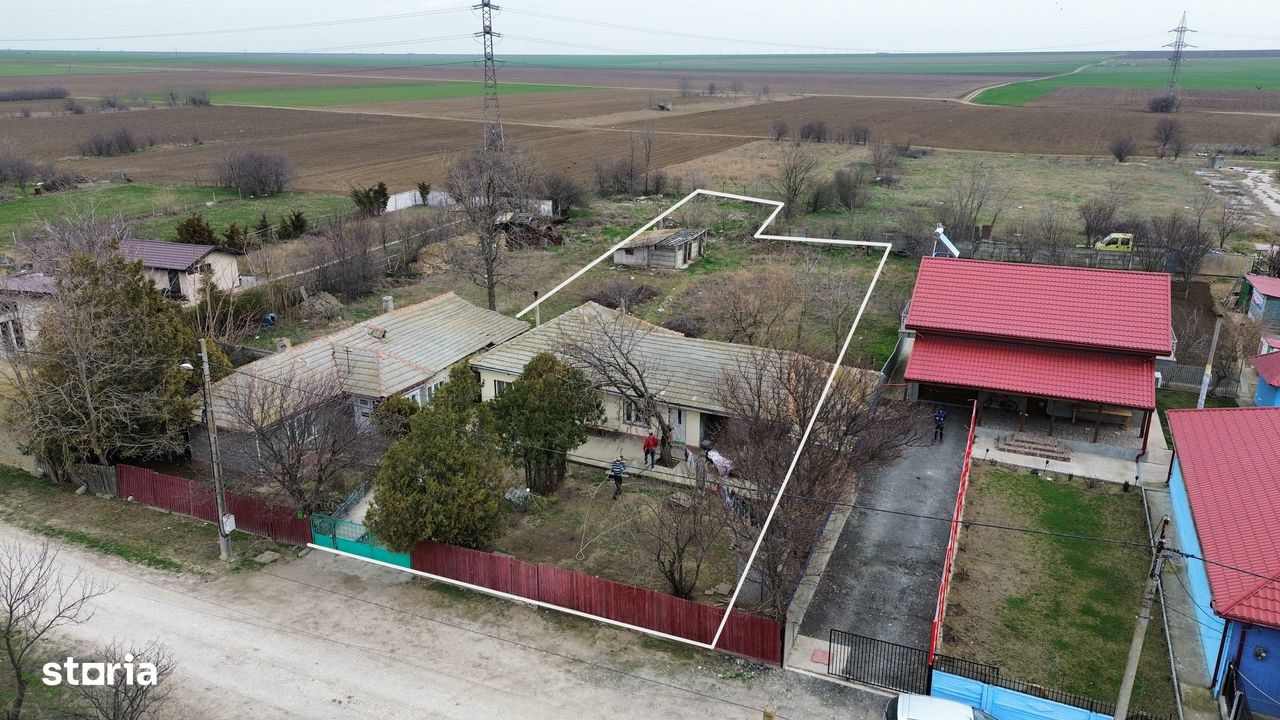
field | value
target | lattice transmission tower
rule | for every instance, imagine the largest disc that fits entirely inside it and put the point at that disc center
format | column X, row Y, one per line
column 492, row 116
column 1175, row 60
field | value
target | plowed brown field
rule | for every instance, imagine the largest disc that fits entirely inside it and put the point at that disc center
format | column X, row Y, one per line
column 331, row 151
column 963, row 126
column 1136, row 99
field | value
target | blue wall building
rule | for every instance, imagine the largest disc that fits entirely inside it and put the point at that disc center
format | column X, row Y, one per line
column 1268, row 367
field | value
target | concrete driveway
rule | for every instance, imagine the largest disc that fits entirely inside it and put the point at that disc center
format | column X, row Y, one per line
column 330, row 637
column 882, row 578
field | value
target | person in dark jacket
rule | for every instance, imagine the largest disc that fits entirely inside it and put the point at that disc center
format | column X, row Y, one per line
column 939, row 420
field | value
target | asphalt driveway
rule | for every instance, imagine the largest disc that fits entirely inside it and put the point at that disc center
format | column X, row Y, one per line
column 882, row 579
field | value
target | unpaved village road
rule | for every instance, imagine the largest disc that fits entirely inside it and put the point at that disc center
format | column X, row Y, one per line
column 328, row 637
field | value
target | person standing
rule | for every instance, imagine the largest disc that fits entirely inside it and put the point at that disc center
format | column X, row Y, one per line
column 939, row 420
column 616, row 470
column 650, row 450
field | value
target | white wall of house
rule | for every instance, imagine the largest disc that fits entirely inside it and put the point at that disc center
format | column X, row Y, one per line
column 686, row 423
column 20, row 314
column 226, row 276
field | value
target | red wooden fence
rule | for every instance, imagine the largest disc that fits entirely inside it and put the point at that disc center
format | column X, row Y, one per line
column 189, row 497
column 746, row 635
column 948, row 565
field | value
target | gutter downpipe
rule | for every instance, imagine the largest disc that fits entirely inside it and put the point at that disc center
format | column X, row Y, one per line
column 1146, row 433
column 1217, row 666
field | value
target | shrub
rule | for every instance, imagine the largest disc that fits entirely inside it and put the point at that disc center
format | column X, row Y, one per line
column 73, row 106
column 371, row 201
column 236, row 237
column 56, row 180
column 1122, row 147
column 1275, row 135
column 191, row 98
column 112, row 102
column 564, row 193
column 196, row 231
column 254, row 172
column 1163, row 103
column 264, row 229
column 815, row 131
column 120, row 142
column 687, row 325
column 613, row 295
column 424, row 191
column 293, row 225
column 15, row 169
column 858, row 135
column 778, row 129
column 822, row 197
column 850, row 188
column 40, row 93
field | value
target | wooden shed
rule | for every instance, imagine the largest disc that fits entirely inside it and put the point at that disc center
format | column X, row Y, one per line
column 671, row 248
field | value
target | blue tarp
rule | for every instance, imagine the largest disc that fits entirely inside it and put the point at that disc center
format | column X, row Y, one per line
column 1005, row 704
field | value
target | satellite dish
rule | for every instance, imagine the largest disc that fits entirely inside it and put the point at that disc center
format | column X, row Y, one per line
column 943, row 237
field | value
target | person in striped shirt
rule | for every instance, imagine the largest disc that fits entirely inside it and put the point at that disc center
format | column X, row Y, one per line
column 616, row 471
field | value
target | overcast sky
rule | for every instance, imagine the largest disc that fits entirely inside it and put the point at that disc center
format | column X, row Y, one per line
column 727, row 26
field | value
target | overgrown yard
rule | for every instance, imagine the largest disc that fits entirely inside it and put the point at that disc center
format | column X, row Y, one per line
column 582, row 528
column 1053, row 610
column 137, row 533
column 158, row 209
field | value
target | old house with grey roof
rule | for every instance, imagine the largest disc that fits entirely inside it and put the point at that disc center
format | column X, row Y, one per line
column 406, row 352
column 177, row 268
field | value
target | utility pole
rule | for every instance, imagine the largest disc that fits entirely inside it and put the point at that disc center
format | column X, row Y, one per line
column 224, row 532
column 492, row 117
column 1208, row 365
column 1175, row 60
column 1140, row 631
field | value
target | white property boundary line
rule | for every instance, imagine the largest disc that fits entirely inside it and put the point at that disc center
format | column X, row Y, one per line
column 822, row 399
column 804, row 439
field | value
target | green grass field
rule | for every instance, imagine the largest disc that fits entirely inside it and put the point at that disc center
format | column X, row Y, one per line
column 1199, row 74
column 160, row 208
column 980, row 63
column 8, row 69
column 363, row 94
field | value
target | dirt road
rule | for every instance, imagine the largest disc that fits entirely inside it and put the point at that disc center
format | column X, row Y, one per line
column 327, row 637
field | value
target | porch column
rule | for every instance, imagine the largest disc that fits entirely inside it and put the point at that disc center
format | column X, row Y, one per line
column 1053, row 413
column 1097, row 422
column 982, row 396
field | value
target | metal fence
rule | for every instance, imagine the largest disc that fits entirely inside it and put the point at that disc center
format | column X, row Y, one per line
column 879, row 662
column 1233, row 693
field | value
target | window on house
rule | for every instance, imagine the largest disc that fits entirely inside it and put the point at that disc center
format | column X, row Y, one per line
column 175, row 283
column 499, row 387
column 629, row 252
column 631, row 414
column 430, row 391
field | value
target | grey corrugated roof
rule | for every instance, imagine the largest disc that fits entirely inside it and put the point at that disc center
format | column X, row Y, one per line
column 420, row 341
column 164, row 255
column 691, row 370
column 36, row 284
column 670, row 237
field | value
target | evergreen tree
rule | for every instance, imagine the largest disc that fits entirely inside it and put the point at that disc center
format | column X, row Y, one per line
column 442, row 481
column 544, row 415
column 196, row 230
column 264, row 230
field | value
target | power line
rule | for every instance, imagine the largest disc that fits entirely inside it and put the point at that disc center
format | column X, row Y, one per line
column 260, row 28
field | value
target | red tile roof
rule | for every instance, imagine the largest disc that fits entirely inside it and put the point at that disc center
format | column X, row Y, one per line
column 1112, row 309
column 1268, row 367
column 1230, row 461
column 1099, row 377
column 1265, row 284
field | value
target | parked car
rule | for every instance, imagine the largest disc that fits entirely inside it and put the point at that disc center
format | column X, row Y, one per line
column 922, row 707
column 1115, row 242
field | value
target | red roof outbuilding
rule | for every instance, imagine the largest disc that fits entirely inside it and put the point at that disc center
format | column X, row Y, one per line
column 1268, row 367
column 1083, row 307
column 1230, row 464
column 1265, row 284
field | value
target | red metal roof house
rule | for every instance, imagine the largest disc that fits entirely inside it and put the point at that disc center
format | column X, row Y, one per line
column 1055, row 341
column 1225, row 489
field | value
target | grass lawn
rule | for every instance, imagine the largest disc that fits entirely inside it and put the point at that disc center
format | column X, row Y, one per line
column 1055, row 611
column 582, row 528
column 159, row 208
column 1167, row 400
column 328, row 96
column 137, row 533
column 1199, row 74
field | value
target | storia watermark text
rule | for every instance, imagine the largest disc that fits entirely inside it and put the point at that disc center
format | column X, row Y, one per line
column 73, row 672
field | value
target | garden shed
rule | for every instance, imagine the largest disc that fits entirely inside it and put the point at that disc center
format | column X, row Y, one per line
column 672, row 248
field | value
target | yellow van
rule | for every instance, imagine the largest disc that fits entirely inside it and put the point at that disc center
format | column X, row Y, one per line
column 1115, row 242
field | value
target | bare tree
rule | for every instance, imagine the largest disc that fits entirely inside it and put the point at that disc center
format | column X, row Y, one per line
column 253, row 172
column 712, row 89
column 1097, row 214
column 735, row 85
column 976, row 194
column 851, row 434
column 343, row 256
column 298, row 429
column 750, row 306
column 795, row 173
column 135, row 700
column 883, row 155
column 608, row 348
column 646, row 151
column 485, row 184
column 79, row 229
column 38, row 594
column 1233, row 213
column 1053, row 232
column 778, row 129
column 1150, row 251
column 676, row 531
column 1122, row 147
column 1186, row 244
column 685, row 87
column 1167, row 133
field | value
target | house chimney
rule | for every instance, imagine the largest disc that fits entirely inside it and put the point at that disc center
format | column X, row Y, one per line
column 283, row 344
column 388, row 303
